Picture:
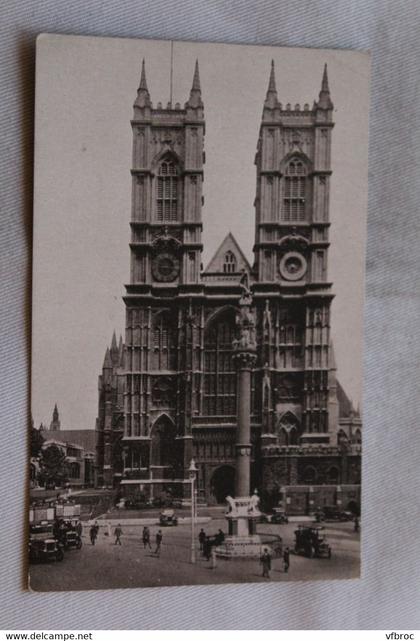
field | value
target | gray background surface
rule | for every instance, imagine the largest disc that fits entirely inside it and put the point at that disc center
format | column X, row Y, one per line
column 388, row 595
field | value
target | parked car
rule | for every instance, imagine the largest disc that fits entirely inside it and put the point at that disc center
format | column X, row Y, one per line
column 43, row 546
column 311, row 542
column 333, row 513
column 167, row 517
column 279, row 517
column 264, row 518
column 136, row 504
column 66, row 532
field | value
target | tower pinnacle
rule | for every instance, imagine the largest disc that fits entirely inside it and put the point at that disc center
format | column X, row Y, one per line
column 325, row 101
column 55, row 423
column 271, row 97
column 143, row 96
column 195, row 93
column 107, row 360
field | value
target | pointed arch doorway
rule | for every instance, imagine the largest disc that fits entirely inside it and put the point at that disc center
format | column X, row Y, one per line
column 222, row 483
column 163, row 445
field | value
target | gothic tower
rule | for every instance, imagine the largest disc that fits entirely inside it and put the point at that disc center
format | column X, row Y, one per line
column 109, row 424
column 291, row 250
column 173, row 387
column 166, row 225
column 55, row 423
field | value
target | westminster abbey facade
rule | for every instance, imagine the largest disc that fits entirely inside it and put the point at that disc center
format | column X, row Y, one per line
column 168, row 391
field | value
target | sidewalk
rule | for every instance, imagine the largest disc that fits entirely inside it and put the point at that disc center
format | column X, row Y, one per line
column 103, row 521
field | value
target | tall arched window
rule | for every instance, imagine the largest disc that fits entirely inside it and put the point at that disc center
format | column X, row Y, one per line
column 288, row 429
column 163, row 342
column 220, row 375
column 294, row 190
column 333, row 474
column 229, row 264
column 309, row 474
column 163, row 445
column 167, row 190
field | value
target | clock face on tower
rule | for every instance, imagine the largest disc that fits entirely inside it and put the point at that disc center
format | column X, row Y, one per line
column 293, row 266
column 165, row 267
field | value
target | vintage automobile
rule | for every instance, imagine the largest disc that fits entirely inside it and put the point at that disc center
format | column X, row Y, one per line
column 167, row 517
column 311, row 542
column 333, row 513
column 264, row 518
column 279, row 516
column 68, row 535
column 43, row 546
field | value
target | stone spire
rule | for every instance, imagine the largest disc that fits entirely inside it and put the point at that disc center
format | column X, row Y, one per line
column 324, row 101
column 114, row 350
column 121, row 352
column 143, row 96
column 55, row 423
column 195, row 93
column 107, row 360
column 271, row 99
column 114, row 341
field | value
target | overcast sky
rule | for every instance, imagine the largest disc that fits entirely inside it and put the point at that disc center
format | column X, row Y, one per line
column 85, row 88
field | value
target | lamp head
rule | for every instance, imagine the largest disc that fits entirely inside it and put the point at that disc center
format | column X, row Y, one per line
column 193, row 468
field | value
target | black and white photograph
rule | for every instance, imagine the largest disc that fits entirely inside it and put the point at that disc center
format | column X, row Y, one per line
column 197, row 314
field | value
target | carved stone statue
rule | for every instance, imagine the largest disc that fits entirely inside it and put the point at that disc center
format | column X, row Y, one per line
column 231, row 504
column 254, row 503
column 245, row 321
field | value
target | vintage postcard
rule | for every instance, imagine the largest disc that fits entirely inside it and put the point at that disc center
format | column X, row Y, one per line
column 198, row 285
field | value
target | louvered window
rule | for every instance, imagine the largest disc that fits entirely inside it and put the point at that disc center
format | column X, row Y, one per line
column 294, row 200
column 167, row 191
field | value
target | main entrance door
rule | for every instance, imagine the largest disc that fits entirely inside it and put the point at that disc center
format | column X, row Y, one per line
column 222, row 483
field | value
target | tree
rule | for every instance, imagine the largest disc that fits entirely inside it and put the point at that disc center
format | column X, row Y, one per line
column 53, row 464
column 37, row 441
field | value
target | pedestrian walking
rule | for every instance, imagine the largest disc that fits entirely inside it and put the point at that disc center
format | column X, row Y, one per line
column 93, row 533
column 159, row 537
column 117, row 533
column 356, row 524
column 79, row 528
column 286, row 560
column 146, row 538
column 201, row 539
column 207, row 548
column 265, row 561
column 220, row 537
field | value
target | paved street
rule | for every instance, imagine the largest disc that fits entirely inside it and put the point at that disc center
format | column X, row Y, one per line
column 108, row 566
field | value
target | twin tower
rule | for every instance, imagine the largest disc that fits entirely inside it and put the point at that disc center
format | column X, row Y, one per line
column 180, row 381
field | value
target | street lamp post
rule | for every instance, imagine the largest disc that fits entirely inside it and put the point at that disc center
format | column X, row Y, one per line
column 192, row 472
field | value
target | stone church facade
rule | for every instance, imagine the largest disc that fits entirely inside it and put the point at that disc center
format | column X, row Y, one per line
column 169, row 392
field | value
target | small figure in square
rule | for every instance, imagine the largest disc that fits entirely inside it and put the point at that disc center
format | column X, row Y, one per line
column 93, row 533
column 220, row 537
column 286, row 560
column 159, row 537
column 201, row 539
column 117, row 533
column 207, row 548
column 146, row 537
column 265, row 561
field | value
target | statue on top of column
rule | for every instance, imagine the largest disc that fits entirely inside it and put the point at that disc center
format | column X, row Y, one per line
column 245, row 322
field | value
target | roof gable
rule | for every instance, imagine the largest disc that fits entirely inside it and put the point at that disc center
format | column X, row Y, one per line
column 229, row 244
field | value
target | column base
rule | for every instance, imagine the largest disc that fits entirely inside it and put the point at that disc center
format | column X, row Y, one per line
column 240, row 547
